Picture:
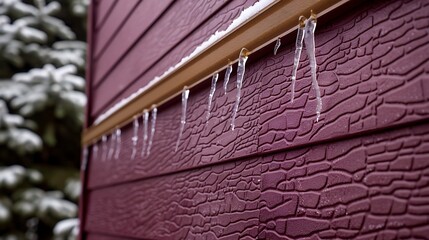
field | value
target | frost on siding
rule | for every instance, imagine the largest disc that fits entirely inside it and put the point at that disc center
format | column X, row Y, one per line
column 240, row 76
column 211, row 95
column 310, row 27
column 185, row 96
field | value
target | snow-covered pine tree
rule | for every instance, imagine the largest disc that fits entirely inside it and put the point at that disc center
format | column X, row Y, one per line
column 42, row 67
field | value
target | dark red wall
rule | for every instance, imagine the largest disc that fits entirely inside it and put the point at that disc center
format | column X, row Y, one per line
column 362, row 171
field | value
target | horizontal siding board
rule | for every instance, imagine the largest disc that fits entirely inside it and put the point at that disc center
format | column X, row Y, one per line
column 141, row 19
column 114, row 21
column 201, row 143
column 206, row 203
column 220, row 21
column 375, row 186
column 180, row 20
column 103, row 9
column 267, row 120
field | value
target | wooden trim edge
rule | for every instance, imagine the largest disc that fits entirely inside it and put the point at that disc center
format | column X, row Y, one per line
column 278, row 20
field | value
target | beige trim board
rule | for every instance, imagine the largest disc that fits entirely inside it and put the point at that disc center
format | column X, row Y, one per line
column 278, row 20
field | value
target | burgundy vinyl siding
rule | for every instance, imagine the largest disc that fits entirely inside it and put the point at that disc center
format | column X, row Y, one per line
column 362, row 171
column 102, row 8
column 112, row 24
column 174, row 35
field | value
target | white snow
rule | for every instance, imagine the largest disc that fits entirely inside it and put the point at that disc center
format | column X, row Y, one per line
column 58, row 207
column 11, row 176
column 73, row 188
column 25, row 139
column 66, row 226
column 245, row 15
column 4, row 212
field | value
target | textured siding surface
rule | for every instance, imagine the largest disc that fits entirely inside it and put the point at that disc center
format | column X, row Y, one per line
column 361, row 172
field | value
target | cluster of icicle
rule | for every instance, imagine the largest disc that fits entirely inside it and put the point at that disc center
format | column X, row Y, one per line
column 306, row 31
column 113, row 150
column 240, row 76
column 305, row 34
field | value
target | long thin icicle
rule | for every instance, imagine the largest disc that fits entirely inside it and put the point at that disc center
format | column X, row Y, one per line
column 240, row 76
column 298, row 50
column 104, row 146
column 95, row 150
column 152, row 128
column 84, row 158
column 228, row 72
column 135, row 138
column 185, row 96
column 145, row 131
column 277, row 46
column 112, row 146
column 211, row 95
column 118, row 142
column 310, row 27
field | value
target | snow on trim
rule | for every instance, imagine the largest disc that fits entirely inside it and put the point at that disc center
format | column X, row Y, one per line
column 245, row 15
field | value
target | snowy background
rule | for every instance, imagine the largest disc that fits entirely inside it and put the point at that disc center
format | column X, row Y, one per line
column 42, row 67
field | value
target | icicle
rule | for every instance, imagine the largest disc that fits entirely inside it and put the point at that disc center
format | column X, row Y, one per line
column 94, row 150
column 152, row 128
column 185, row 96
column 298, row 50
column 211, row 95
column 145, row 130
column 310, row 27
column 118, row 143
column 240, row 76
column 112, row 146
column 135, row 138
column 84, row 158
column 277, row 46
column 228, row 72
column 104, row 146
